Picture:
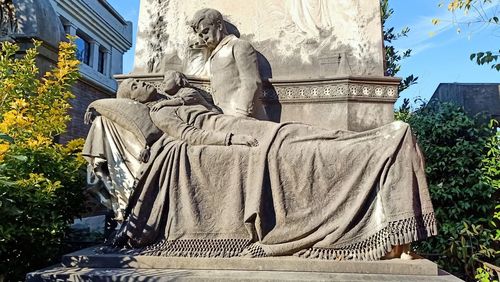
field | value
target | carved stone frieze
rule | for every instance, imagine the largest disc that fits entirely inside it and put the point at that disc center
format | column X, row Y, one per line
column 384, row 88
column 332, row 90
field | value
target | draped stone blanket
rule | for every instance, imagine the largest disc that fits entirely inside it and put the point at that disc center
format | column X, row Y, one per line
column 304, row 190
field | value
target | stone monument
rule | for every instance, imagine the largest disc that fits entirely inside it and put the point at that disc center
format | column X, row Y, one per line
column 211, row 181
column 193, row 174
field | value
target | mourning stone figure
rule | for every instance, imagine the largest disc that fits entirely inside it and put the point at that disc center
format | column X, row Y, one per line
column 233, row 68
column 287, row 189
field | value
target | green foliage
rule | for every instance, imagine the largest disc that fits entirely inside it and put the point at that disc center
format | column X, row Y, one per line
column 37, row 208
column 462, row 166
column 392, row 56
column 40, row 181
column 403, row 113
column 485, row 274
column 486, row 58
column 477, row 14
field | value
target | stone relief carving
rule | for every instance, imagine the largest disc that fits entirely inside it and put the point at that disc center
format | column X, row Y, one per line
column 312, row 17
column 311, row 91
column 8, row 21
column 304, row 33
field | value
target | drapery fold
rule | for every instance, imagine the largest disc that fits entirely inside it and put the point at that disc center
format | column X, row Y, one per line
column 304, row 190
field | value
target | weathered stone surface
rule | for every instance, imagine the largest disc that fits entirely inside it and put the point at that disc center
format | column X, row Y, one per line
column 84, row 266
column 297, row 39
column 242, row 216
column 186, row 275
column 88, row 258
column 299, row 43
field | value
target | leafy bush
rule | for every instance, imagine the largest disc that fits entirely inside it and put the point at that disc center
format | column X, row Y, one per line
column 40, row 181
column 463, row 168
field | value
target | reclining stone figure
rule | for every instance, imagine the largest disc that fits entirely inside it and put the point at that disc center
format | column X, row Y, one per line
column 171, row 114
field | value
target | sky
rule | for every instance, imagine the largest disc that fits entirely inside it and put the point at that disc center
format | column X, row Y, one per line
column 440, row 54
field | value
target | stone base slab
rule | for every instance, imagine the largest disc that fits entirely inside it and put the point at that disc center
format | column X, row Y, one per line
column 88, row 265
column 188, row 275
column 88, row 258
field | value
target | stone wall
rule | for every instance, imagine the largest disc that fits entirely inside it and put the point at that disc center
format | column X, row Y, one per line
column 296, row 39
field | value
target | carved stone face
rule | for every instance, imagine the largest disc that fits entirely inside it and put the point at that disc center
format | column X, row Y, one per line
column 137, row 90
column 210, row 33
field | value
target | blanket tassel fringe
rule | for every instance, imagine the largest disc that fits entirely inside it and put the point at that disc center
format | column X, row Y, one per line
column 376, row 246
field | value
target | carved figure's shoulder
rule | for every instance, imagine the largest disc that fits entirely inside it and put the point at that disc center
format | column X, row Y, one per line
column 241, row 46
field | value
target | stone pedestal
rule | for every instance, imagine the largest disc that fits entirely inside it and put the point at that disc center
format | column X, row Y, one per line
column 87, row 265
column 349, row 103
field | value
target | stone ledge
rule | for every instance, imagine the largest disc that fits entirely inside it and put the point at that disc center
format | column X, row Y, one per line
column 87, row 258
column 159, row 275
column 355, row 103
column 383, row 89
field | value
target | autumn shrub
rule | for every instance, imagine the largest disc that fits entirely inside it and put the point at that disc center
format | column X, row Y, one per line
column 462, row 154
column 41, row 181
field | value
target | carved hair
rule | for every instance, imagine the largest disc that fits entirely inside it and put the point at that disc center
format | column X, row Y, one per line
column 173, row 81
column 213, row 16
column 123, row 92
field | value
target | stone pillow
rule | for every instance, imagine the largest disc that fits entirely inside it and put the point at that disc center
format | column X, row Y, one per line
column 132, row 116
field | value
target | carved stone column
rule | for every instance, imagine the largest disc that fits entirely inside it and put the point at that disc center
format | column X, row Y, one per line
column 94, row 54
column 107, row 63
column 70, row 29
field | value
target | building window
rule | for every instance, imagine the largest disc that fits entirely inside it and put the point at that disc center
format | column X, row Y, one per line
column 83, row 50
column 101, row 64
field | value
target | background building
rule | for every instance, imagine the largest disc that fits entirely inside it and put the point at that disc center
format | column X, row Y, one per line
column 473, row 97
column 103, row 36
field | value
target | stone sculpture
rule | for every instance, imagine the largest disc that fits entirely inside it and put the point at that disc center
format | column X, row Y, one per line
column 172, row 113
column 234, row 73
column 304, row 190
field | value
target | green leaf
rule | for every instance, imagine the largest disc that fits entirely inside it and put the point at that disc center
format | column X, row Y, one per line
column 20, row 158
column 6, row 137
